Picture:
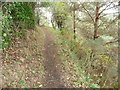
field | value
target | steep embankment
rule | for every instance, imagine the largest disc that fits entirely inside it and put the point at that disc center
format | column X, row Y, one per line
column 23, row 62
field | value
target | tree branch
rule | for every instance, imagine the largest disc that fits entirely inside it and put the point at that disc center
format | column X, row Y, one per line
column 112, row 22
column 88, row 13
column 105, row 8
column 102, row 5
column 103, row 15
column 112, row 41
column 111, row 7
column 107, row 14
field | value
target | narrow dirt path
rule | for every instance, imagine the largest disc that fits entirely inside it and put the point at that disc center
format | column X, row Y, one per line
column 52, row 62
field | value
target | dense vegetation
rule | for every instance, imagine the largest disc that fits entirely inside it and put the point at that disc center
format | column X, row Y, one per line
column 15, row 17
column 87, row 35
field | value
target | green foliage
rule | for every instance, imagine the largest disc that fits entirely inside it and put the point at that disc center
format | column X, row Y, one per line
column 16, row 16
column 38, row 86
column 95, row 86
column 13, row 83
column 21, row 14
column 41, row 72
column 23, row 83
column 93, row 57
column 60, row 14
column 6, row 32
column 46, row 4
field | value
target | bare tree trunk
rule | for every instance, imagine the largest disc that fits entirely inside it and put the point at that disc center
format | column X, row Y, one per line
column 74, row 22
column 95, row 31
column 53, row 25
column 96, row 21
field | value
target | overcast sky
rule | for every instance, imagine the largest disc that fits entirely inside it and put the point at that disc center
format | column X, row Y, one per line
column 48, row 14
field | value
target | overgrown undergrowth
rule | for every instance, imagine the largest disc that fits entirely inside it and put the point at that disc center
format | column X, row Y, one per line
column 87, row 65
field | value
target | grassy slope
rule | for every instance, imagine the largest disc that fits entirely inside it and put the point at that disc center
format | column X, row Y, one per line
column 74, row 75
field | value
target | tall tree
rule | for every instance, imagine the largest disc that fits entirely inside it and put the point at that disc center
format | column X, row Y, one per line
column 60, row 14
column 97, row 15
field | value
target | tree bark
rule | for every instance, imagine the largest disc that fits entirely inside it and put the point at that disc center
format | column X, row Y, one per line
column 96, row 22
column 74, row 22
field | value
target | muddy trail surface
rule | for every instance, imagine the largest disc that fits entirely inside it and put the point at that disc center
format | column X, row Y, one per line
column 52, row 62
